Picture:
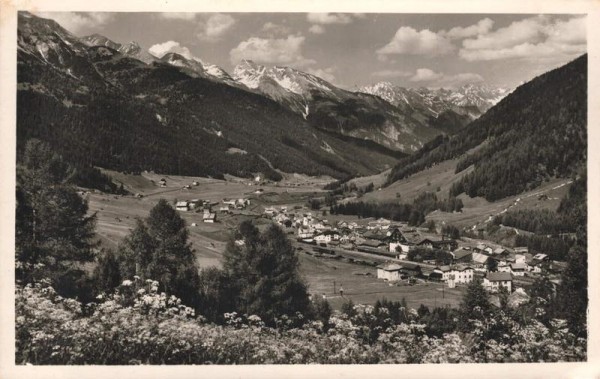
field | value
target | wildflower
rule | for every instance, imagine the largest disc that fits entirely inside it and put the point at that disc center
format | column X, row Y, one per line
column 126, row 283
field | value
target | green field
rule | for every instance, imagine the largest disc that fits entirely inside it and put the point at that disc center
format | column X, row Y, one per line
column 320, row 274
column 116, row 217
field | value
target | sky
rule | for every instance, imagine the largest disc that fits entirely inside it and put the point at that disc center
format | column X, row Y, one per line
column 356, row 49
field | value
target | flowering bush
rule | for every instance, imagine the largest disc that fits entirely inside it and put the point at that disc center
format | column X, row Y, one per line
column 138, row 325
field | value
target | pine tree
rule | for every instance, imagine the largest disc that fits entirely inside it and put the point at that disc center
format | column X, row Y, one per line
column 264, row 270
column 107, row 275
column 52, row 225
column 475, row 305
column 158, row 248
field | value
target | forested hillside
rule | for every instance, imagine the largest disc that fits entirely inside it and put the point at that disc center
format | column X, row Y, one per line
column 99, row 107
column 537, row 132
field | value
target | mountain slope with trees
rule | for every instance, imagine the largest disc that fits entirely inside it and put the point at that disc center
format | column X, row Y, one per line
column 537, row 132
column 100, row 107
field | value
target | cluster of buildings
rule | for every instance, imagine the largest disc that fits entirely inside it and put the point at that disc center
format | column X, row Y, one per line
column 207, row 207
column 470, row 262
column 395, row 240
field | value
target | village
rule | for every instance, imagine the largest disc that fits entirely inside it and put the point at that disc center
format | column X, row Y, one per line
column 402, row 255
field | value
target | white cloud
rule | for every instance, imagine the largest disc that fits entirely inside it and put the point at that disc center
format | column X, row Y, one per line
column 188, row 16
column 409, row 41
column 325, row 74
column 439, row 79
column 161, row 49
column 274, row 29
column 482, row 27
column 215, row 26
column 392, row 74
column 75, row 22
column 329, row 18
column 425, row 75
column 271, row 50
column 320, row 19
column 316, row 29
column 533, row 38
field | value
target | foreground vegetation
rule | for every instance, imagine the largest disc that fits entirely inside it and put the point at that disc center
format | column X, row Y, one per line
column 137, row 325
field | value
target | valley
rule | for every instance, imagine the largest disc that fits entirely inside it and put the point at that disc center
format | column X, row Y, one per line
column 116, row 217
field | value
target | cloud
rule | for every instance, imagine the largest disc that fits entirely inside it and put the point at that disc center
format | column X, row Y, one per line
column 161, row 49
column 273, row 29
column 425, row 75
column 75, row 22
column 534, row 38
column 188, row 16
column 320, row 19
column 325, row 74
column 329, row 18
column 409, row 41
column 392, row 74
column 215, row 26
column 439, row 79
column 316, row 29
column 482, row 27
column 271, row 51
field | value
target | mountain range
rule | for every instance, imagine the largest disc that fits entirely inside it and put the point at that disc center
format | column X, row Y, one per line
column 117, row 106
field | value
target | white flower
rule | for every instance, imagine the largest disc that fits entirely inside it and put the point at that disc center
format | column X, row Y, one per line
column 126, row 283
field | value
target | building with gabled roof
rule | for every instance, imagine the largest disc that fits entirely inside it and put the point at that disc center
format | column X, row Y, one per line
column 495, row 280
column 389, row 271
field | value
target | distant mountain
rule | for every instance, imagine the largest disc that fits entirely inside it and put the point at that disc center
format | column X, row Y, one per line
column 336, row 110
column 537, row 132
column 102, row 106
column 131, row 49
column 469, row 100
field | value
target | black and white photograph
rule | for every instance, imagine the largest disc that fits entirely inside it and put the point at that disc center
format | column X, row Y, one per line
column 296, row 188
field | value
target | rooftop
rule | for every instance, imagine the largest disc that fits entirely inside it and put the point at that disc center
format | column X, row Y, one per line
column 498, row 276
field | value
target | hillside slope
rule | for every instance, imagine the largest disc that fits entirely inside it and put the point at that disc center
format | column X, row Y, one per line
column 98, row 106
column 537, row 132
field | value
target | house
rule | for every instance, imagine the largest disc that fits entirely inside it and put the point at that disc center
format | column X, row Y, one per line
column 503, row 267
column 194, row 203
column 461, row 274
column 444, row 271
column 208, row 216
column 458, row 274
column 480, row 260
column 269, row 211
column 518, row 269
column 224, row 209
column 493, row 281
column 389, row 271
column 521, row 249
column 541, row 257
column 305, row 232
column 162, row 182
column 536, row 266
column 411, row 269
column 500, row 251
column 445, row 244
column 230, row 202
column 327, row 237
column 182, row 206
column 462, row 255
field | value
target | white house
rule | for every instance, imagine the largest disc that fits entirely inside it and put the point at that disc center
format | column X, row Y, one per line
column 496, row 280
column 462, row 274
column 209, row 217
column 389, row 271
column 518, row 269
column 182, row 206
